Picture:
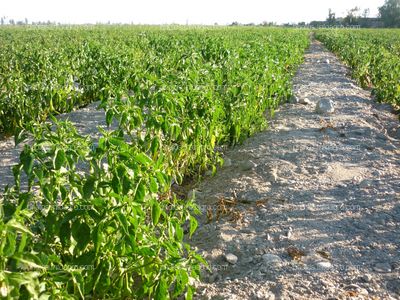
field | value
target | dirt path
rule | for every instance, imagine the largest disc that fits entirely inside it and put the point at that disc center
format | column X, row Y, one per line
column 317, row 213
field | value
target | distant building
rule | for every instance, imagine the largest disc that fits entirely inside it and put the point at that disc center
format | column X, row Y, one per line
column 371, row 23
column 356, row 23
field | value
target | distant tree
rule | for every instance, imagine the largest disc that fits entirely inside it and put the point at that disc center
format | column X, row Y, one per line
column 266, row 23
column 26, row 21
column 331, row 20
column 12, row 22
column 317, row 24
column 365, row 13
column 390, row 13
column 364, row 21
column 353, row 16
column 2, row 21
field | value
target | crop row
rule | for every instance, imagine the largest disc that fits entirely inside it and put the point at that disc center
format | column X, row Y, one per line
column 47, row 71
column 96, row 218
column 373, row 56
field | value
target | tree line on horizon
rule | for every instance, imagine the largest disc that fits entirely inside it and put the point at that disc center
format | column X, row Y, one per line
column 389, row 17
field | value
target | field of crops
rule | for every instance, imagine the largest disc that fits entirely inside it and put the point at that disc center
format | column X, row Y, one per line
column 97, row 218
column 52, row 70
column 373, row 56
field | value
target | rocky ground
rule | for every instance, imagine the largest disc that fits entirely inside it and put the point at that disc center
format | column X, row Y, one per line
column 310, row 208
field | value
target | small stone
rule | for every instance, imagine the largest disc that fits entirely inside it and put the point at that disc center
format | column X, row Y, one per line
column 247, row 165
column 365, row 183
column 305, row 101
column 294, row 99
column 218, row 297
column 212, row 278
column 325, row 106
column 231, row 258
column 325, row 265
column 382, row 268
column 327, row 61
column 227, row 162
column 289, row 233
column 273, row 177
column 226, row 237
column 366, row 277
column 271, row 259
column 377, row 173
column 355, row 288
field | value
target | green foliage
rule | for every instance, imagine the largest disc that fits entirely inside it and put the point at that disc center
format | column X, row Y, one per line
column 373, row 56
column 98, row 225
column 390, row 13
column 92, row 219
column 52, row 70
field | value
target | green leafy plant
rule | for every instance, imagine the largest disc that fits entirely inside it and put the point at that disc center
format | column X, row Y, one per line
column 98, row 224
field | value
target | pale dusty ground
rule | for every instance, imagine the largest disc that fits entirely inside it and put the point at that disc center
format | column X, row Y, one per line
column 325, row 185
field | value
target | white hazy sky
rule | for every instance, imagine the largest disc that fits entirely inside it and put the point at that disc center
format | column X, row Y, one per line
column 179, row 11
